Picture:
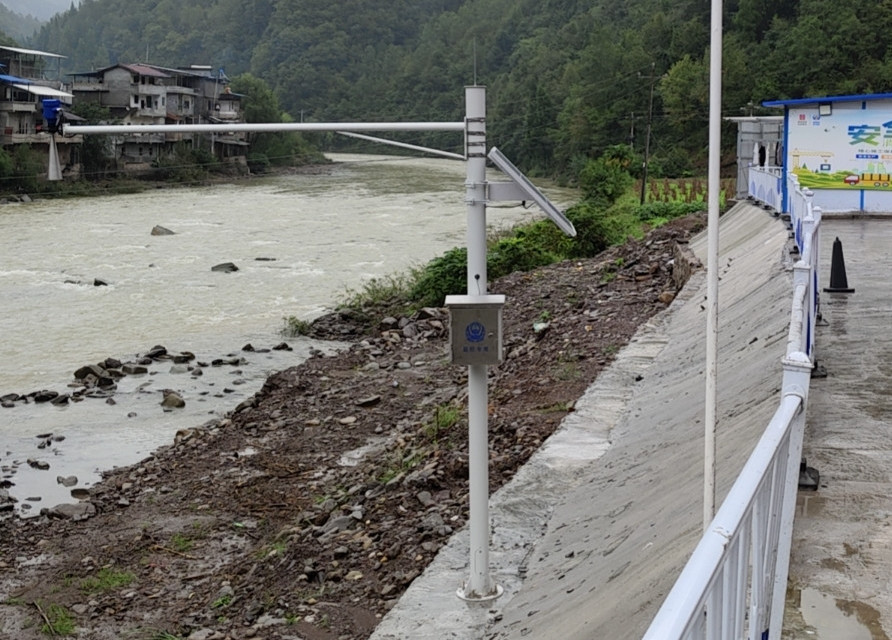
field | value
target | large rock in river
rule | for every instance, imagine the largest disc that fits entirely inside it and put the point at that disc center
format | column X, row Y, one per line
column 172, row 400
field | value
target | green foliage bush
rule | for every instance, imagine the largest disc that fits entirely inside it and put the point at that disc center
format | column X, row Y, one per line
column 258, row 162
column 442, row 276
column 517, row 254
column 527, row 248
column 593, row 230
column 650, row 211
column 547, row 236
column 604, row 181
column 28, row 169
column 185, row 164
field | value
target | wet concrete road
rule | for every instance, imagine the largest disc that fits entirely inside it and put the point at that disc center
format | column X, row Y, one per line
column 841, row 564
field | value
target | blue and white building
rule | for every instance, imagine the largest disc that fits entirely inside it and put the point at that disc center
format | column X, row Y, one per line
column 837, row 147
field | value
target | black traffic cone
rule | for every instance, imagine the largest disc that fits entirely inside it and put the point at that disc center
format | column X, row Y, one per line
column 838, row 281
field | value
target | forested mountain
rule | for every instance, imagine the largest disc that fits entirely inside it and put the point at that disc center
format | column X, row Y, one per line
column 566, row 78
column 39, row 9
column 15, row 25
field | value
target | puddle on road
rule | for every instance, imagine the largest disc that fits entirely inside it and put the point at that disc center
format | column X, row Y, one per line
column 822, row 614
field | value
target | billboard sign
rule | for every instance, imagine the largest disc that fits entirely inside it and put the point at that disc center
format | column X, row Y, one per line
column 842, row 148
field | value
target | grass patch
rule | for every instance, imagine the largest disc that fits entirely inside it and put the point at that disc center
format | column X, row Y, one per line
column 398, row 462
column 294, row 327
column 106, row 580
column 445, row 417
column 567, row 372
column 381, row 291
column 222, row 602
column 57, row 621
column 277, row 548
column 182, row 543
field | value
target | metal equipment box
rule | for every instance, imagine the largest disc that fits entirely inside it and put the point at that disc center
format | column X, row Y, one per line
column 475, row 328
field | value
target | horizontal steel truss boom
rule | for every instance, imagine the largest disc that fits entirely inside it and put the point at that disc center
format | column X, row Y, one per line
column 72, row 129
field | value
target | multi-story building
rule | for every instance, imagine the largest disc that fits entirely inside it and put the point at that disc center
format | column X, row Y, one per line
column 149, row 94
column 27, row 77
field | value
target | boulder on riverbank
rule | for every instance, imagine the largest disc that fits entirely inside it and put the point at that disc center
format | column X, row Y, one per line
column 100, row 380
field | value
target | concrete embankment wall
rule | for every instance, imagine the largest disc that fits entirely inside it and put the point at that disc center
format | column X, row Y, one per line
column 589, row 537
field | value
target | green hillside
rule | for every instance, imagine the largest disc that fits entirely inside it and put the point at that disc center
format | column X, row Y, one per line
column 566, row 78
column 16, row 25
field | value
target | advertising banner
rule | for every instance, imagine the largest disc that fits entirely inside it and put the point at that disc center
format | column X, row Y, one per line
column 838, row 148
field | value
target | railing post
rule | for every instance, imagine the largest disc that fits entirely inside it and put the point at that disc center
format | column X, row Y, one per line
column 809, row 234
column 797, row 374
column 815, row 261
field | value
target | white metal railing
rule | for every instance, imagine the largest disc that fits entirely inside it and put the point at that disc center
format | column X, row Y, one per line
column 734, row 584
column 766, row 186
column 805, row 220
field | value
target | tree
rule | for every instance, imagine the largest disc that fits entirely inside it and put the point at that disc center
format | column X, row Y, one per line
column 260, row 104
column 684, row 91
column 97, row 153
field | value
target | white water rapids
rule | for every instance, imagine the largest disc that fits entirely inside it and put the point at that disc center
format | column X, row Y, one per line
column 299, row 242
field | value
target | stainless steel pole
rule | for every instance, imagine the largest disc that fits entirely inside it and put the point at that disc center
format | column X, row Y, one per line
column 480, row 585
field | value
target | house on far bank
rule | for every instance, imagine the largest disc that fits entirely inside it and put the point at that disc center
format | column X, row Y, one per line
column 27, row 77
column 143, row 94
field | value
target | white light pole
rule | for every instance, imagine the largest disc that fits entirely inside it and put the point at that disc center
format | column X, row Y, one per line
column 712, row 261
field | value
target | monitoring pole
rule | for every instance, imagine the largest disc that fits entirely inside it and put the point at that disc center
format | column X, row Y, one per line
column 480, row 585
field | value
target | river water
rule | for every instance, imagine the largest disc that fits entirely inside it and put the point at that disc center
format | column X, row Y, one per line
column 299, row 242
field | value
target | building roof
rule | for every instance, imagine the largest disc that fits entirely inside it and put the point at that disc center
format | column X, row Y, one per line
column 827, row 99
column 13, row 79
column 32, row 52
column 33, row 88
column 40, row 90
column 198, row 71
column 141, row 69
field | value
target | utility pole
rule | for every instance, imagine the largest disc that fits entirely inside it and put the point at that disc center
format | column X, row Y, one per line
column 650, row 116
column 632, row 131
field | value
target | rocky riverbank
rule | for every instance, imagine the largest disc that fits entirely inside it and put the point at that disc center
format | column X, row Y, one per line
column 307, row 511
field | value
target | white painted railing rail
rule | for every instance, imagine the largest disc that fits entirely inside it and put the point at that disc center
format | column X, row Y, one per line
column 734, row 584
column 766, row 186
